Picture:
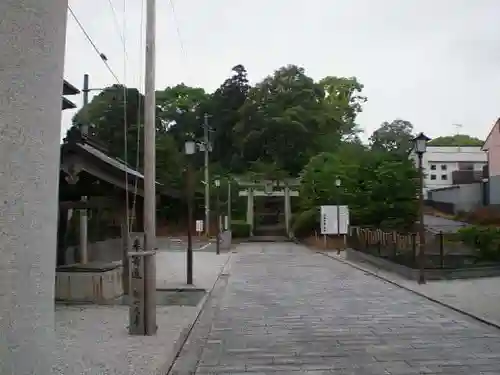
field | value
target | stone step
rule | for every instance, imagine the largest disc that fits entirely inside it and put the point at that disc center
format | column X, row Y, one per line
column 268, row 239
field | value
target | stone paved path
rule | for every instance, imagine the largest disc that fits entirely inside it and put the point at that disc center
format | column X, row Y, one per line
column 286, row 310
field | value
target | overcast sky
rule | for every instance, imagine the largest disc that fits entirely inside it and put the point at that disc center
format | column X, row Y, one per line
column 435, row 63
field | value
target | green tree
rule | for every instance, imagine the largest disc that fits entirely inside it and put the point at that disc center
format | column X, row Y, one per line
column 288, row 117
column 181, row 108
column 111, row 112
column 379, row 188
column 279, row 119
column 342, row 103
column 395, row 137
column 225, row 104
column 456, row 140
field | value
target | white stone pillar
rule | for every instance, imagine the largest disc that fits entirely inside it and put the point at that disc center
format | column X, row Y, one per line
column 287, row 210
column 32, row 44
column 250, row 209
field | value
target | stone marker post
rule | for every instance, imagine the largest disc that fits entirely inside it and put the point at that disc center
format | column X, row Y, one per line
column 138, row 324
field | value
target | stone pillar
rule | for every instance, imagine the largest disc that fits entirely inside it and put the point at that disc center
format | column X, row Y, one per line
column 84, row 234
column 250, row 209
column 288, row 211
column 32, row 44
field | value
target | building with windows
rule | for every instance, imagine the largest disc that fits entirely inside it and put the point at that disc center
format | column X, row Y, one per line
column 444, row 164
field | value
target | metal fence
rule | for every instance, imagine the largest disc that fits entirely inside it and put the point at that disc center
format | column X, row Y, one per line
column 441, row 250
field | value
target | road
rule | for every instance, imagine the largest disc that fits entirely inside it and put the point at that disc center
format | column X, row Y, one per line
column 287, row 310
column 437, row 224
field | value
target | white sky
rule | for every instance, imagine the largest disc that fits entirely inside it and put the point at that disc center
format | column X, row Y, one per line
column 433, row 62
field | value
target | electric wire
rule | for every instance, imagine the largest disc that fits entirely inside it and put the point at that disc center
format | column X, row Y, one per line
column 177, row 29
column 117, row 25
column 125, row 118
column 102, row 56
column 140, row 105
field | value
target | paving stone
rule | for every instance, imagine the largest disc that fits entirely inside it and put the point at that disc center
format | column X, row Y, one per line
column 286, row 310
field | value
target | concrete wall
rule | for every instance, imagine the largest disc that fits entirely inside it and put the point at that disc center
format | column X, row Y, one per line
column 32, row 43
column 492, row 145
column 465, row 197
column 89, row 287
column 494, row 190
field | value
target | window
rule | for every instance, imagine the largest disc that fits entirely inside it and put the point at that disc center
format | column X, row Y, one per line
column 444, row 177
column 444, row 167
column 433, row 176
column 433, row 167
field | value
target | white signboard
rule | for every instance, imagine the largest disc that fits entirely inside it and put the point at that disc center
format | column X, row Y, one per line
column 199, row 226
column 329, row 218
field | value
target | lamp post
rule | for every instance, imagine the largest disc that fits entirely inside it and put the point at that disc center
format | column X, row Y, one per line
column 217, row 213
column 190, row 149
column 420, row 146
column 338, row 182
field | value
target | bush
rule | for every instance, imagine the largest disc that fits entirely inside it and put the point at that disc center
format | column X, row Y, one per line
column 305, row 223
column 485, row 241
column 481, row 216
column 240, row 229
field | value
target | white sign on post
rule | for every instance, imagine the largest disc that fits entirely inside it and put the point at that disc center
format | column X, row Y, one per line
column 329, row 218
column 199, row 226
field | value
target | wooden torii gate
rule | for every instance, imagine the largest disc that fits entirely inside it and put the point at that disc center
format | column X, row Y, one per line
column 268, row 188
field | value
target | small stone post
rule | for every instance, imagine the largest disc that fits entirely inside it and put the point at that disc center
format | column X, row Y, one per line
column 250, row 209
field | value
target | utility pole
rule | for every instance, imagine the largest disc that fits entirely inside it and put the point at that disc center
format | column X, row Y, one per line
column 190, row 188
column 229, row 204
column 217, row 214
column 83, row 212
column 86, row 89
column 206, row 144
column 149, row 172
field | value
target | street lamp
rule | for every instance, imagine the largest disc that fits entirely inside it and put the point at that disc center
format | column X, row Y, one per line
column 420, row 146
column 217, row 213
column 190, row 149
column 338, row 182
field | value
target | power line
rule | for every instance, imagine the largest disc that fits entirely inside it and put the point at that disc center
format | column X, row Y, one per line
column 139, row 107
column 101, row 55
column 179, row 36
column 117, row 25
column 177, row 28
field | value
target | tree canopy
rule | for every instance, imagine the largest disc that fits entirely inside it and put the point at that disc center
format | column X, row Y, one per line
column 456, row 140
column 287, row 125
column 394, row 137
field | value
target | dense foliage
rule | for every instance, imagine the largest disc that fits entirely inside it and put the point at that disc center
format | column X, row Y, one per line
column 287, row 125
column 484, row 241
column 379, row 189
column 456, row 140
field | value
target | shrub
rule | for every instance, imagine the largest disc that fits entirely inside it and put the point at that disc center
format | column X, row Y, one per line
column 481, row 216
column 240, row 229
column 306, row 222
column 484, row 240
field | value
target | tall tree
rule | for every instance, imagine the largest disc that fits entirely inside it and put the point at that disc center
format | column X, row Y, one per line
column 111, row 112
column 394, row 137
column 225, row 105
column 181, row 108
column 280, row 119
column 342, row 102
